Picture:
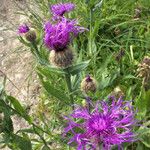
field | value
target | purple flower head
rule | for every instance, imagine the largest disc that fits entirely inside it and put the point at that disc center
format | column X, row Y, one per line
column 107, row 124
column 88, row 78
column 61, row 9
column 58, row 36
column 23, row 29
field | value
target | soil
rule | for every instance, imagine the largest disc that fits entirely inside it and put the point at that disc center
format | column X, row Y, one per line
column 16, row 62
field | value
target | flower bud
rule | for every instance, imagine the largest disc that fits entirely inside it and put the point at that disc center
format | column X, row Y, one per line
column 144, row 72
column 117, row 92
column 88, row 85
column 30, row 36
column 61, row 59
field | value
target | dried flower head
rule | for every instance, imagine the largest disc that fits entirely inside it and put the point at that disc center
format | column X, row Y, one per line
column 23, row 29
column 62, row 59
column 117, row 92
column 88, row 84
column 61, row 9
column 107, row 124
column 58, row 36
column 144, row 71
column 30, row 36
column 137, row 13
column 120, row 55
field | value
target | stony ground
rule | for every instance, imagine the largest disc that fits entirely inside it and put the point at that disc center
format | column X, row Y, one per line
column 16, row 62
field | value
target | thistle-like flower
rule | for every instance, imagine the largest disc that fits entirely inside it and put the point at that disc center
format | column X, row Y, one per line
column 88, row 84
column 109, row 123
column 61, row 9
column 58, row 36
column 144, row 71
column 29, row 34
column 23, row 29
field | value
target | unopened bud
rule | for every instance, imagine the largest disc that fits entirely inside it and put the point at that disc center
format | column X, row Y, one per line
column 62, row 59
column 89, row 85
column 31, row 36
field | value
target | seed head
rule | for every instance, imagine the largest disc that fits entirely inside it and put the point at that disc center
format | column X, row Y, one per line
column 62, row 59
column 117, row 92
column 88, row 84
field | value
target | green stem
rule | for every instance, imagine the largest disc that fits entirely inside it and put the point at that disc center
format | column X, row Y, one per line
column 69, row 86
column 36, row 52
column 45, row 143
column 90, row 38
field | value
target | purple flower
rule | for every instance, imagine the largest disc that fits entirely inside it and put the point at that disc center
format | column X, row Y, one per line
column 23, row 29
column 61, row 9
column 108, row 124
column 58, row 36
column 88, row 78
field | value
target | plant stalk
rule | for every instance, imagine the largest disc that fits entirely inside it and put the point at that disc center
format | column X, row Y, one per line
column 69, row 86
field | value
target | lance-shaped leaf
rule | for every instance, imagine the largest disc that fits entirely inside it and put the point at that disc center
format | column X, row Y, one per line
column 19, row 108
column 77, row 68
column 23, row 143
column 54, row 92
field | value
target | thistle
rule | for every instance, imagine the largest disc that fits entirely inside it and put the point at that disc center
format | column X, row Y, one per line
column 23, row 29
column 58, row 10
column 144, row 72
column 109, row 123
column 88, row 84
column 58, row 38
column 29, row 34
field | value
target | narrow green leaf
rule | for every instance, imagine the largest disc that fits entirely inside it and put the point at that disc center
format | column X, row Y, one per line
column 19, row 108
column 7, row 124
column 22, row 142
column 24, row 42
column 54, row 92
column 143, row 102
column 29, row 130
column 77, row 68
column 45, row 148
column 46, row 70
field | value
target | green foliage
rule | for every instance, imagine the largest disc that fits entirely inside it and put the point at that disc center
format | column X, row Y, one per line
column 117, row 39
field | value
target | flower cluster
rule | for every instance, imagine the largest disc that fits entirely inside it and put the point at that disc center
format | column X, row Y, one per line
column 106, row 125
column 58, row 36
